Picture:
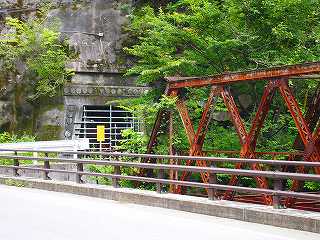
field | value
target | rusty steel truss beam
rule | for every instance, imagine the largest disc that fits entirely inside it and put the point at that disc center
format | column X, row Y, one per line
column 161, row 115
column 228, row 78
column 234, row 114
column 186, row 120
column 317, row 136
column 261, row 115
column 155, row 130
column 248, row 140
column 199, row 137
column 277, row 80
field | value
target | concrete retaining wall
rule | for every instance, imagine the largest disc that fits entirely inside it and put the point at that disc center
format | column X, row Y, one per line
column 287, row 218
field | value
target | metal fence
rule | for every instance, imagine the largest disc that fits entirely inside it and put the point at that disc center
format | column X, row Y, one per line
column 113, row 118
column 129, row 160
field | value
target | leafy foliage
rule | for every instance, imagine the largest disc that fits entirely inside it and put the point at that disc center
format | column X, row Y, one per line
column 205, row 37
column 312, row 186
column 34, row 55
column 132, row 141
column 202, row 37
column 6, row 137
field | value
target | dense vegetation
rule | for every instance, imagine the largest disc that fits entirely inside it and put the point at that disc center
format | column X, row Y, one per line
column 12, row 138
column 33, row 56
column 204, row 37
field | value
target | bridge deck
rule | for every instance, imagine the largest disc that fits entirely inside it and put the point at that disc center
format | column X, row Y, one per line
column 37, row 214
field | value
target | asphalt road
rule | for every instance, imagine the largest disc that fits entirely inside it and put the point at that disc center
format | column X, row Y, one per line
column 30, row 214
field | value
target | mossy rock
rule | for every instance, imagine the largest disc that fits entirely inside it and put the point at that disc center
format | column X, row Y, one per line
column 49, row 132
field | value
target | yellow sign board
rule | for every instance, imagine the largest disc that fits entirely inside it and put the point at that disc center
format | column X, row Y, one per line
column 100, row 133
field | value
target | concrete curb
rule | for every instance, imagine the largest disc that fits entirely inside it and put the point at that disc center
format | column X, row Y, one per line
column 286, row 218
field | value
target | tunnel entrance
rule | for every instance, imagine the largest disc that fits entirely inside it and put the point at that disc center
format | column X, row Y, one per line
column 113, row 118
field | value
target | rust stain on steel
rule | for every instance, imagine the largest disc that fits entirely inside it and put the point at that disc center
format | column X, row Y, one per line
column 248, row 140
column 278, row 79
column 155, row 130
column 173, row 175
column 240, row 129
column 156, row 127
column 296, row 113
column 248, row 149
column 227, row 78
column 205, row 119
column 312, row 152
column 261, row 114
column 196, row 148
column 186, row 120
column 316, row 136
column 236, row 152
column 234, row 114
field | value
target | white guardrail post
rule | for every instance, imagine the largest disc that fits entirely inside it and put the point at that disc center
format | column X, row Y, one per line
column 59, row 145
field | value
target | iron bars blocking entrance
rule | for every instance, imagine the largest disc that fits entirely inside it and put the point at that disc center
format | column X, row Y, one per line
column 114, row 119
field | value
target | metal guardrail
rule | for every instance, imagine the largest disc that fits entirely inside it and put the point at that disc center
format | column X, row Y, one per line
column 80, row 158
column 58, row 145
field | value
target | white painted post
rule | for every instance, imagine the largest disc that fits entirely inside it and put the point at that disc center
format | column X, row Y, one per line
column 100, row 150
column 35, row 154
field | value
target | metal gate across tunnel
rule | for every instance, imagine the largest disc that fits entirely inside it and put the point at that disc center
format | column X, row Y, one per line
column 113, row 118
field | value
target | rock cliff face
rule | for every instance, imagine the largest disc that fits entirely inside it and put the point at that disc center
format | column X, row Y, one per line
column 94, row 30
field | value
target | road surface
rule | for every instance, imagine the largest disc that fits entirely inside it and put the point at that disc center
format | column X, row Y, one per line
column 30, row 214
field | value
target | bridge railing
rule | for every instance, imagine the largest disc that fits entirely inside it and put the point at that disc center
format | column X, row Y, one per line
column 120, row 160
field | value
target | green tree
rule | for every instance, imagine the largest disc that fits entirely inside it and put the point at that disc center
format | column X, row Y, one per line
column 33, row 56
column 6, row 137
column 205, row 37
column 202, row 37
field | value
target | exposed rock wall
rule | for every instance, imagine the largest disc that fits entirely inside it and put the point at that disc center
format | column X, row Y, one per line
column 94, row 30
